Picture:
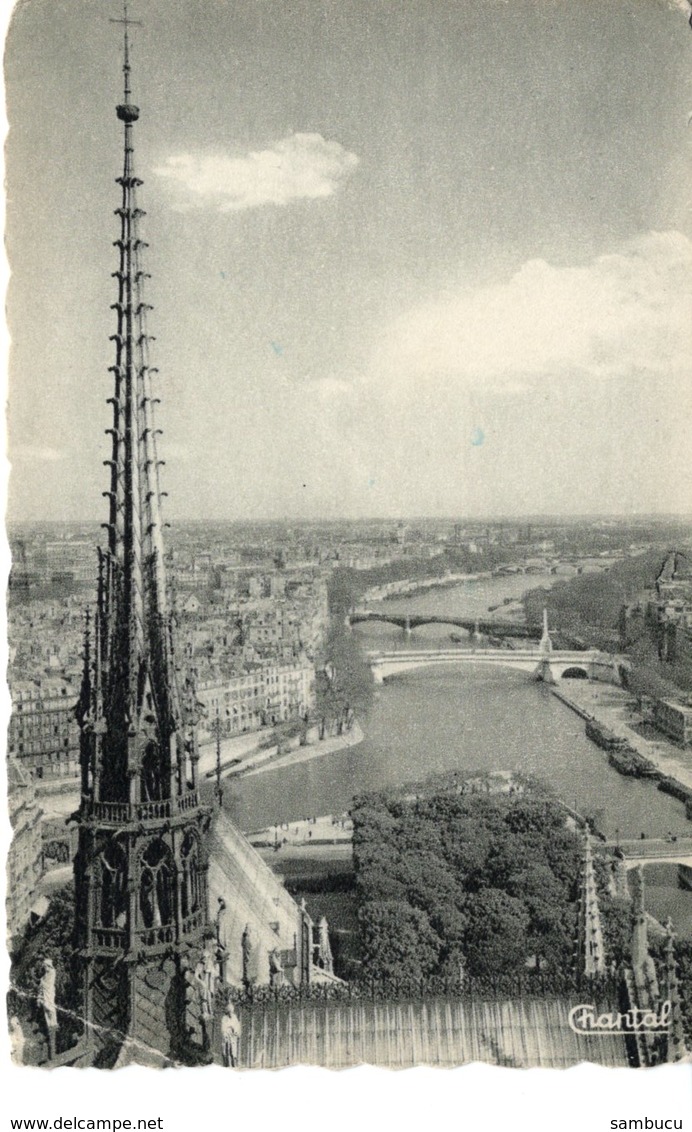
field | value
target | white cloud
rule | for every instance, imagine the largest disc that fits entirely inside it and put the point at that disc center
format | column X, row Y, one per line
column 37, row 453
column 298, row 167
column 329, row 389
column 621, row 314
column 679, row 6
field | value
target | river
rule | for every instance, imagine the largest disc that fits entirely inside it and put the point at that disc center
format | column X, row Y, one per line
column 470, row 719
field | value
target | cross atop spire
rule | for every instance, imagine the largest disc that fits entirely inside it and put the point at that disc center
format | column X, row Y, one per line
column 127, row 23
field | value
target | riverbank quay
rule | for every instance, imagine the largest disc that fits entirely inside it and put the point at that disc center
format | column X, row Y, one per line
column 332, row 828
column 409, row 587
column 248, row 759
column 327, row 837
column 612, row 708
column 324, row 855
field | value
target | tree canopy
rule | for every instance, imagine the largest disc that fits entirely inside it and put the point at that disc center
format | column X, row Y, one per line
column 482, row 883
column 344, row 685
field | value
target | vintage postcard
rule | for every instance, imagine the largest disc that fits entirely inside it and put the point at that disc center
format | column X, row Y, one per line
column 350, row 512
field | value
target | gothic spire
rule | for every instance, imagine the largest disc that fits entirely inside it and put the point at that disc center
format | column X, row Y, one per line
column 135, row 536
column 131, row 680
column 141, row 909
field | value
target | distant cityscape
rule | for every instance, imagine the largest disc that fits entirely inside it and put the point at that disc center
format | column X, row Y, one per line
column 253, row 619
column 252, row 608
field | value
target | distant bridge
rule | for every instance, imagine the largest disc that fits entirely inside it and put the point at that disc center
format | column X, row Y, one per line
column 653, row 851
column 485, row 627
column 549, row 666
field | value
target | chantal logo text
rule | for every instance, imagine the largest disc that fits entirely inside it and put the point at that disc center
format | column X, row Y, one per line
column 584, row 1019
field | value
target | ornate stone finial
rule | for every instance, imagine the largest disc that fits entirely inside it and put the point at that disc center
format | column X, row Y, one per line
column 217, row 732
column 676, row 1049
column 591, row 948
column 640, row 940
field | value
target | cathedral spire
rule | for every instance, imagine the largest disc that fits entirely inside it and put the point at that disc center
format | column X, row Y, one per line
column 140, row 869
column 138, row 684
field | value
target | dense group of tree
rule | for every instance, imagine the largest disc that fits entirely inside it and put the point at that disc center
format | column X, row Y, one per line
column 651, row 676
column 347, row 586
column 588, row 609
column 452, row 884
column 344, row 684
column 590, row 605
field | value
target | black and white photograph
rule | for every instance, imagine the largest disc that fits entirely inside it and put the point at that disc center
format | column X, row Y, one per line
column 349, row 614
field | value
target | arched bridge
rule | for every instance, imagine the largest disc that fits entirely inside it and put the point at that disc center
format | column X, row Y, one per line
column 548, row 666
column 486, row 627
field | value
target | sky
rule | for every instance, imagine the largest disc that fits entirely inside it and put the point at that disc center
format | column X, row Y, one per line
column 426, row 257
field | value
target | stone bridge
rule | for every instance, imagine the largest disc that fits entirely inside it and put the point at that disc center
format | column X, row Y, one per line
column 550, row 666
column 407, row 622
column 653, row 851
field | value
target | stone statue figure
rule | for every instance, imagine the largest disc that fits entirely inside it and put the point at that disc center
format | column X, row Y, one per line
column 306, row 948
column 324, row 950
column 17, row 1040
column 205, row 977
column 276, row 970
column 46, row 1000
column 230, row 1037
column 250, row 947
column 221, row 948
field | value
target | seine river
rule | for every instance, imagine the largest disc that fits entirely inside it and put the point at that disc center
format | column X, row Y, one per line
column 470, row 719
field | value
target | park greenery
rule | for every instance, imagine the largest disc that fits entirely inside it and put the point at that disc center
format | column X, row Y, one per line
column 343, row 685
column 587, row 611
column 479, row 887
column 589, row 606
column 453, row 884
column 347, row 585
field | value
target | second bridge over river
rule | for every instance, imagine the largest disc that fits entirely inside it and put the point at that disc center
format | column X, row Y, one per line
column 542, row 664
column 486, row 627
